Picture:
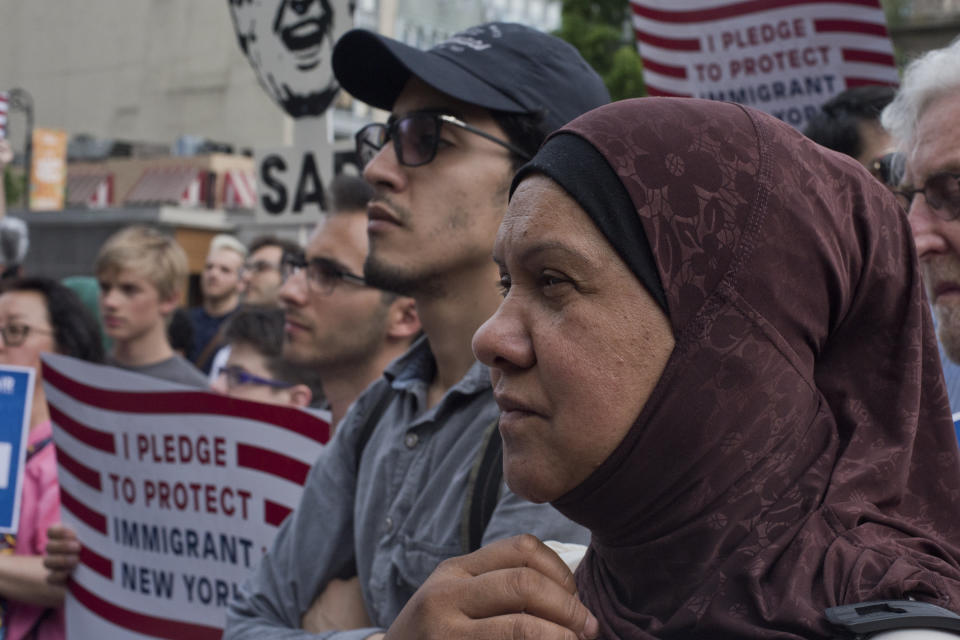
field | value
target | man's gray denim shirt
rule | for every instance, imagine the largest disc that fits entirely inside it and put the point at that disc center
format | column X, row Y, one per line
column 400, row 514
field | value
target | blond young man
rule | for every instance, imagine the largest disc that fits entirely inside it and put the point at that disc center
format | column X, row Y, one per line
column 142, row 273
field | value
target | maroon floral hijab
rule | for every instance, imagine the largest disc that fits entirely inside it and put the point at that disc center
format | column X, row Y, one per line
column 798, row 452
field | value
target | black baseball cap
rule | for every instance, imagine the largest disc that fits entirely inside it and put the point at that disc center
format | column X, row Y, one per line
column 500, row 66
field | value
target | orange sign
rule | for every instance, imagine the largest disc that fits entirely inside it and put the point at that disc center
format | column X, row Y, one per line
column 48, row 174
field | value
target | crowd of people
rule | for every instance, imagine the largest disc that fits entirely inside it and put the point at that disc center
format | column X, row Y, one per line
column 697, row 392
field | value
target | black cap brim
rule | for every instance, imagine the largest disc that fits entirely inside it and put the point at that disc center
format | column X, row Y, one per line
column 374, row 69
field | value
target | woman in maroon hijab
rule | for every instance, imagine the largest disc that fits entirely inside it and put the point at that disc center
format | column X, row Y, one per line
column 714, row 351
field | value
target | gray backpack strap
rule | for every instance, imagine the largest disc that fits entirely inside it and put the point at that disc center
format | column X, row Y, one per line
column 865, row 618
column 373, row 419
column 483, row 489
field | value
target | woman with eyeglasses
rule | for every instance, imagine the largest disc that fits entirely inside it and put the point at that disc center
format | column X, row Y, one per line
column 715, row 353
column 37, row 315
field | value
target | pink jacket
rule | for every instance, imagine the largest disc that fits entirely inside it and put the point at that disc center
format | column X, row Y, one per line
column 39, row 508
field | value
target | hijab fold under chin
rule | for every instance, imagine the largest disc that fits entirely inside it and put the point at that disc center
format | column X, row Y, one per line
column 798, row 451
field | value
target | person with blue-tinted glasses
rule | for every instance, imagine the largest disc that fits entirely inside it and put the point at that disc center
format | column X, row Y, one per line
column 256, row 369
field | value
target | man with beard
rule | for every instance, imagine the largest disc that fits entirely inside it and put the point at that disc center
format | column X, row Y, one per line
column 401, row 487
column 288, row 44
column 335, row 322
column 220, row 286
column 924, row 119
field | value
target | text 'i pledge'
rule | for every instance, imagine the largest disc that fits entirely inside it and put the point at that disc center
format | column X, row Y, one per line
column 178, row 449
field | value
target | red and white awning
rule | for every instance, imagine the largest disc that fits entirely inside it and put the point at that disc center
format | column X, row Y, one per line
column 4, row 108
column 239, row 189
column 94, row 191
column 184, row 186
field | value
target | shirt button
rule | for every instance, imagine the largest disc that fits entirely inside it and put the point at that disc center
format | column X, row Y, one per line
column 389, row 524
column 411, row 440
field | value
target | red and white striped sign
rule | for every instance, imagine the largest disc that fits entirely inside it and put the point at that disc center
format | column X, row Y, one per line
column 785, row 57
column 175, row 494
column 4, row 109
column 239, row 190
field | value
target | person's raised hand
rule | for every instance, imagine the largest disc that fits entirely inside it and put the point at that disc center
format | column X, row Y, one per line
column 514, row 588
column 62, row 555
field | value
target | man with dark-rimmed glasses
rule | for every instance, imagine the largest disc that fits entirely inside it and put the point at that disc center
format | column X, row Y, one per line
column 924, row 120
column 393, row 490
column 348, row 331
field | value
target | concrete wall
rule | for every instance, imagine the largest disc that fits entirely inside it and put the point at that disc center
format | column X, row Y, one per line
column 145, row 70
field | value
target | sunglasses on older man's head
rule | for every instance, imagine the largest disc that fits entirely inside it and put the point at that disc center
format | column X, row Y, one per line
column 942, row 193
column 416, row 137
column 888, row 168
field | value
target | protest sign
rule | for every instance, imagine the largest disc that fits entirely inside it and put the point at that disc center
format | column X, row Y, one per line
column 48, row 171
column 175, row 494
column 291, row 184
column 16, row 400
column 784, row 57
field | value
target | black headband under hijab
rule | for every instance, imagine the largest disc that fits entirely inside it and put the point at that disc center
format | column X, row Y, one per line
column 578, row 167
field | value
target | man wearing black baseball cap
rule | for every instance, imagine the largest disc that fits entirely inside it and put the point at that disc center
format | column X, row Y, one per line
column 405, row 484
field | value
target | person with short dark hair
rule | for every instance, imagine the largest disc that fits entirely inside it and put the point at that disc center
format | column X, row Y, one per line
column 850, row 123
column 261, row 270
column 38, row 315
column 346, row 330
column 180, row 331
column 350, row 193
column 390, row 489
column 256, row 369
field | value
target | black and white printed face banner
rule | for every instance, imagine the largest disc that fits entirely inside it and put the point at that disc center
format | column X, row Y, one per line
column 175, row 494
column 784, row 57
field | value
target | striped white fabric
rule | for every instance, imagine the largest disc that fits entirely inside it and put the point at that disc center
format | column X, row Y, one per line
column 784, row 57
column 239, row 189
column 4, row 108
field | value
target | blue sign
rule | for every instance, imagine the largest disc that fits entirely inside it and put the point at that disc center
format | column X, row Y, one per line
column 16, row 400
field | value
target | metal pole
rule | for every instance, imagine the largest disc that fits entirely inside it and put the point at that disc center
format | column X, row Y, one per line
column 22, row 100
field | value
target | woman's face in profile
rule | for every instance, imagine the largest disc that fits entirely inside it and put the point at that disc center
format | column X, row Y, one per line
column 26, row 329
column 575, row 348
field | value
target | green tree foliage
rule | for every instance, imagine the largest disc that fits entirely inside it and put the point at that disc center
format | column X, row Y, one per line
column 896, row 11
column 13, row 186
column 599, row 29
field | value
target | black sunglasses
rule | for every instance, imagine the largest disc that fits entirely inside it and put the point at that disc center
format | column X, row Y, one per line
column 942, row 193
column 888, row 168
column 323, row 274
column 416, row 137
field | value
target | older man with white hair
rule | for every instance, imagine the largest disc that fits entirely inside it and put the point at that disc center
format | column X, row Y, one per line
column 924, row 119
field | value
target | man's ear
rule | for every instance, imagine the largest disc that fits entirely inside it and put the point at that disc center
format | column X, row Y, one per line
column 300, row 395
column 169, row 304
column 403, row 322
